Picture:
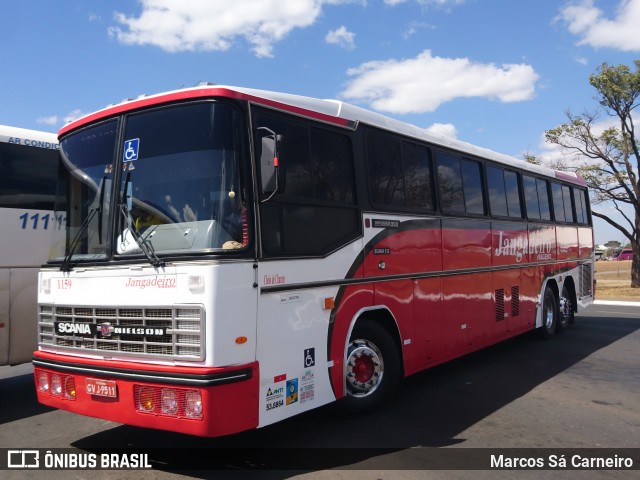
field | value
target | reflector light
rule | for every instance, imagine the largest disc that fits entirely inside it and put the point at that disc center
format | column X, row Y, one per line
column 329, row 303
column 173, row 402
column 169, row 401
column 43, row 381
column 56, row 384
column 70, row 388
column 145, row 401
column 193, row 404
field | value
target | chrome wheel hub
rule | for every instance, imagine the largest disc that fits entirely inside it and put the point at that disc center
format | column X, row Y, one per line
column 565, row 308
column 548, row 316
column 364, row 368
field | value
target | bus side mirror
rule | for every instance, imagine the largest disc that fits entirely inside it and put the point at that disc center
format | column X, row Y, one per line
column 270, row 161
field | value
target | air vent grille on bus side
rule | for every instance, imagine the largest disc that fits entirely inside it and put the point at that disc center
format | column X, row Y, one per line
column 515, row 301
column 586, row 276
column 499, row 304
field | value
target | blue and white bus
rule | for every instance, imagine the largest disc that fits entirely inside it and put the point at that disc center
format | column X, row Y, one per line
column 28, row 170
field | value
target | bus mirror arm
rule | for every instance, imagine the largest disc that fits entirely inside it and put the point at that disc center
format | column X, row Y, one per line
column 270, row 162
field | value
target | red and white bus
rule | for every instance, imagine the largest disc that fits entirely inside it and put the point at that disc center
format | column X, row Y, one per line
column 226, row 258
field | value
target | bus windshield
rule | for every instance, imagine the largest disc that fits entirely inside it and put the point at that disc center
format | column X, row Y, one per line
column 177, row 175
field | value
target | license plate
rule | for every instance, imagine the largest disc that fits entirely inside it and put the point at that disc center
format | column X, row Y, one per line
column 102, row 388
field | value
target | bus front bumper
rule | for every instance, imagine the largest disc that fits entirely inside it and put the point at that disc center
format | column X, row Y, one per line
column 199, row 401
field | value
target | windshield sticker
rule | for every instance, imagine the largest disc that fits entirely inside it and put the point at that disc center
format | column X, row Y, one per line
column 131, row 149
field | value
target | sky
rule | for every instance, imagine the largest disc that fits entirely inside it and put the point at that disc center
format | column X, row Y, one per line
column 495, row 73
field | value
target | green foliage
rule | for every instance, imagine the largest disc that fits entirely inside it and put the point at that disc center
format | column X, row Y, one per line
column 529, row 158
column 607, row 153
column 618, row 88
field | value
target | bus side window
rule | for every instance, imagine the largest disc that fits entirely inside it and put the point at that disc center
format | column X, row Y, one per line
column 316, row 212
column 581, row 205
column 497, row 191
column 450, row 183
column 513, row 194
column 460, row 183
column 386, row 180
column 543, row 199
column 558, row 202
column 472, row 186
column 568, row 210
column 416, row 162
column 536, row 194
column 399, row 174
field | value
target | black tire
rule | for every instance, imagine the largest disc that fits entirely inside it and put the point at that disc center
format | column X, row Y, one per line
column 566, row 314
column 550, row 312
column 372, row 368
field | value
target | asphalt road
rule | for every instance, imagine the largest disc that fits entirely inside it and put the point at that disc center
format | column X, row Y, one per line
column 579, row 390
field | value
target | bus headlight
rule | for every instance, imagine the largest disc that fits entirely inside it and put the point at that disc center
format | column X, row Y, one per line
column 193, row 404
column 169, row 401
column 42, row 380
column 56, row 384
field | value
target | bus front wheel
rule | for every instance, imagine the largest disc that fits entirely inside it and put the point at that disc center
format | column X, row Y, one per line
column 372, row 368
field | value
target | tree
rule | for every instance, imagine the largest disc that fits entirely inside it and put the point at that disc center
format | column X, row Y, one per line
column 613, row 245
column 609, row 158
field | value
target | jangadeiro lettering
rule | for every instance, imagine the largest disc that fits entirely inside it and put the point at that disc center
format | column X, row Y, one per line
column 154, row 282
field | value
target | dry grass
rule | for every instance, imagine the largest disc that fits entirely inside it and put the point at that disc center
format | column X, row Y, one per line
column 613, row 280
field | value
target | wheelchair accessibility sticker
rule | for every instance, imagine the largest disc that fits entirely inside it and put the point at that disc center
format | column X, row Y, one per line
column 131, row 148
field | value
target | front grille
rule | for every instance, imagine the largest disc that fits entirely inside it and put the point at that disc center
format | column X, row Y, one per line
column 166, row 332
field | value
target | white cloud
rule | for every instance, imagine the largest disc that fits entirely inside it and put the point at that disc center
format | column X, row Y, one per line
column 73, row 115
column 414, row 27
column 341, row 37
column 208, row 25
column 422, row 84
column 588, row 22
column 438, row 3
column 51, row 120
column 446, row 129
column 57, row 120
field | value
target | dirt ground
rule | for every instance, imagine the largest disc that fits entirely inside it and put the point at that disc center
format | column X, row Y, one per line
column 613, row 280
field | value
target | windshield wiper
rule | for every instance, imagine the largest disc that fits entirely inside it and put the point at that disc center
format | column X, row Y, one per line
column 144, row 243
column 66, row 263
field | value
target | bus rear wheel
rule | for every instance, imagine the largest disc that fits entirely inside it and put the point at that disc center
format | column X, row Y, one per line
column 550, row 312
column 372, row 368
column 565, row 311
